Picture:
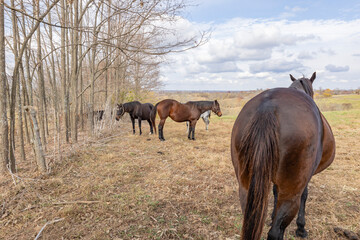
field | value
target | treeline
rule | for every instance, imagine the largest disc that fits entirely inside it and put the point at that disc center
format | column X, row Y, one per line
column 60, row 59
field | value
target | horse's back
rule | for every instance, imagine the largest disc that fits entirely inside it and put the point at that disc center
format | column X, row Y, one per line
column 173, row 109
column 146, row 109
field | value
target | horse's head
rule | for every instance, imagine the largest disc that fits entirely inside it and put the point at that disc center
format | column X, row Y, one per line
column 216, row 108
column 304, row 84
column 120, row 111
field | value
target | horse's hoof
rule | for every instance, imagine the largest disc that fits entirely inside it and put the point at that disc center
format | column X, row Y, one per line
column 301, row 233
column 193, row 139
column 162, row 139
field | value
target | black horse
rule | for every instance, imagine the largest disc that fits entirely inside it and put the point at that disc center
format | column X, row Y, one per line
column 136, row 110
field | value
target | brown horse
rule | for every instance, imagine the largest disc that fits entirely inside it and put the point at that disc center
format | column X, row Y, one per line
column 179, row 112
column 279, row 136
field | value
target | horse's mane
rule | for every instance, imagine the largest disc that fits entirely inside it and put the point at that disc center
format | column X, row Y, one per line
column 303, row 84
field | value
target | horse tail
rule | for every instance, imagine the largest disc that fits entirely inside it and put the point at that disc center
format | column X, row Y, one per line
column 153, row 116
column 259, row 148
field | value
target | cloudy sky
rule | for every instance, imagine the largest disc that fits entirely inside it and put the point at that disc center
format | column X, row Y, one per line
column 257, row 44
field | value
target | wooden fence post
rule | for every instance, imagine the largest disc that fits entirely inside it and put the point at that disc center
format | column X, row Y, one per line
column 39, row 152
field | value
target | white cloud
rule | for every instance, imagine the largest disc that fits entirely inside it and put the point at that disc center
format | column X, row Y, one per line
column 306, row 55
column 275, row 66
column 291, row 12
column 333, row 68
column 251, row 53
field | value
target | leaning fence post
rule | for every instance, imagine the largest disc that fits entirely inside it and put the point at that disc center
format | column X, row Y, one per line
column 39, row 152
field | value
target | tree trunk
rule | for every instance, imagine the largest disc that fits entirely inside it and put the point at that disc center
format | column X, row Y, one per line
column 25, row 101
column 4, row 141
column 107, row 53
column 13, row 91
column 40, row 73
column 54, row 85
column 80, row 73
column 93, row 71
column 20, row 124
column 63, row 68
column 74, row 69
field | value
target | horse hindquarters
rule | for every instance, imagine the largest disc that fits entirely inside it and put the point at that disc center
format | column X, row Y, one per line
column 328, row 147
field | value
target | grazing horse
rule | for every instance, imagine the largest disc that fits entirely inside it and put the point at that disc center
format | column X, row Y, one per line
column 136, row 110
column 179, row 112
column 279, row 136
column 205, row 117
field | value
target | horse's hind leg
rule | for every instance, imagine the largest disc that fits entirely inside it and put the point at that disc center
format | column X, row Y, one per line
column 275, row 192
column 189, row 130
column 161, row 129
column 300, row 221
column 192, row 130
column 139, row 120
column 286, row 209
column 133, row 123
column 151, row 127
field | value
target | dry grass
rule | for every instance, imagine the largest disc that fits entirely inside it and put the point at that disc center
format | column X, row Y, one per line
column 136, row 187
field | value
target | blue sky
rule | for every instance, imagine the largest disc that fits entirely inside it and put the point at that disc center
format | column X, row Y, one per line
column 257, row 44
column 220, row 11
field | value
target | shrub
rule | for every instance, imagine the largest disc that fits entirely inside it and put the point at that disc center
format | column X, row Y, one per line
column 327, row 93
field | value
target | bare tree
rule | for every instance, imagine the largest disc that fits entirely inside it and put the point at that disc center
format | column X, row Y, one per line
column 41, row 79
column 93, row 51
column 74, row 71
column 4, row 144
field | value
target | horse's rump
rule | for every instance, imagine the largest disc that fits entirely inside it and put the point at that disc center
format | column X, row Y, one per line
column 276, row 137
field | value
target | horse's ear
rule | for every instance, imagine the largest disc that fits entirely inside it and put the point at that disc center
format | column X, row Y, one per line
column 292, row 78
column 216, row 101
column 313, row 77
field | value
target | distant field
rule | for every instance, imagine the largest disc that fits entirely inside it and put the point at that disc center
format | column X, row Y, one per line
column 136, row 187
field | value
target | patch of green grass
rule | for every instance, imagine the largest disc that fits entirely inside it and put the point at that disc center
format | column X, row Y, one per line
column 154, row 204
column 206, row 219
column 339, row 102
column 182, row 219
column 224, row 118
column 349, row 118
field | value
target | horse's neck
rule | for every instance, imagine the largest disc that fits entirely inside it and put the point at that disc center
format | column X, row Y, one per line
column 205, row 107
column 128, row 107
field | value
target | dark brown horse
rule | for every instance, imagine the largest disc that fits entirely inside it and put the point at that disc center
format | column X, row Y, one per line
column 280, row 136
column 136, row 110
column 179, row 112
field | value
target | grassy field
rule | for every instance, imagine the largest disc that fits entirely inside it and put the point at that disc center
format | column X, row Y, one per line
column 136, row 187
